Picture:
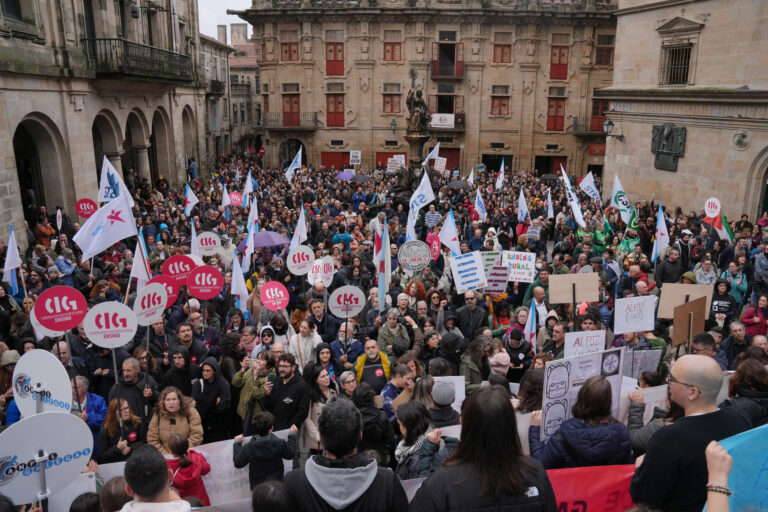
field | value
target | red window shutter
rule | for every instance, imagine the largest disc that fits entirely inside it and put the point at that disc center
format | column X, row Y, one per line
column 459, row 60
column 435, row 54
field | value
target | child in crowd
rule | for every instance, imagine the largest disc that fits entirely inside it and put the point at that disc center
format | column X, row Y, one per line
column 188, row 468
column 499, row 361
column 265, row 452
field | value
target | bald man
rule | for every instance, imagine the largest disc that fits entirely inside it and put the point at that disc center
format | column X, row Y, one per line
column 673, row 473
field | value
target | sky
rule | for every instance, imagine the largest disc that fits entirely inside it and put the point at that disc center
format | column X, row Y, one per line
column 214, row 12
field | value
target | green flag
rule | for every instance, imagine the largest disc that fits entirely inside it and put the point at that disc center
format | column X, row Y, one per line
column 633, row 224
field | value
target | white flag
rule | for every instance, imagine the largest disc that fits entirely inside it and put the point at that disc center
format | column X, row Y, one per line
column 421, row 197
column 194, row 250
column 111, row 184
column 500, row 178
column 529, row 331
column 239, row 289
column 190, row 200
column 141, row 269
column 572, row 199
column 12, row 262
column 225, row 201
column 247, row 189
column 619, row 200
column 432, row 154
column 588, row 185
column 661, row 236
column 550, row 209
column 480, row 207
column 522, row 207
column 249, row 246
column 300, row 233
column 471, row 179
column 296, row 164
column 111, row 223
column 448, row 235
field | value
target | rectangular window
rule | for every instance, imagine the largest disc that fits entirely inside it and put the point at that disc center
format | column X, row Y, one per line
column 288, row 88
column 500, row 106
column 289, row 52
column 392, row 46
column 446, row 35
column 558, row 92
column 391, row 104
column 675, row 65
column 500, row 90
column 335, row 87
column 558, row 65
column 556, row 115
column 291, row 109
column 604, row 53
column 334, row 59
column 265, row 102
column 234, row 114
column 502, row 47
column 334, row 36
column 242, row 113
column 599, row 109
column 335, row 108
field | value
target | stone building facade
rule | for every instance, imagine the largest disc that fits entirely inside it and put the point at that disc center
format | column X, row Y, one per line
column 214, row 70
column 510, row 79
column 695, row 74
column 245, row 84
column 79, row 80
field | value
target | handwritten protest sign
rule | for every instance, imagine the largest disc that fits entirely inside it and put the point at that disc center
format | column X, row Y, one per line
column 522, row 265
column 498, row 279
column 490, row 258
column 634, row 314
column 533, row 233
column 583, row 342
column 639, row 361
column 467, row 271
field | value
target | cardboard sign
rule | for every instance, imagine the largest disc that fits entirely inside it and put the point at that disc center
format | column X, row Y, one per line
column 533, row 233
column 39, row 370
column 208, row 243
column 179, row 267
column 346, row 301
column 490, row 258
column 583, row 342
column 498, row 279
column 561, row 288
column 689, row 320
column 171, row 290
column 638, row 361
column 150, row 303
column 86, row 207
column 205, row 282
column 523, row 265
column 674, row 294
column 300, row 260
column 468, row 273
column 355, row 157
column 414, row 255
column 61, row 308
column 440, row 163
column 110, row 324
column 65, row 440
column 274, row 296
column 236, row 198
column 392, row 165
column 634, row 314
column 322, row 271
column 563, row 379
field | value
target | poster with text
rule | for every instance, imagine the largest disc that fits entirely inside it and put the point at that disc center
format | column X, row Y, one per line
column 634, row 314
column 523, row 265
column 583, row 342
column 468, row 273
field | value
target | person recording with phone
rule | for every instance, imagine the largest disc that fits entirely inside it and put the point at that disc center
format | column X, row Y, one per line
column 252, row 378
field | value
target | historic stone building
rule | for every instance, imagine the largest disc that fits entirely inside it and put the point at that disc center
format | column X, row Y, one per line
column 79, row 80
column 690, row 98
column 214, row 67
column 244, row 84
column 510, row 79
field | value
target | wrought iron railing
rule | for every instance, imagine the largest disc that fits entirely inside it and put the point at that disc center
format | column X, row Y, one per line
column 123, row 58
column 289, row 120
column 588, row 126
column 216, row 87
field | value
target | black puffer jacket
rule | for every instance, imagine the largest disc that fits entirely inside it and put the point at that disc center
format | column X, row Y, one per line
column 377, row 431
column 753, row 404
column 212, row 402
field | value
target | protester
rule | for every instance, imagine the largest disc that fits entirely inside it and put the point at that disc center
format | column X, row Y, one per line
column 212, row 397
column 174, row 414
column 120, row 433
column 188, row 468
column 147, row 479
column 251, row 379
column 265, row 452
column 288, row 398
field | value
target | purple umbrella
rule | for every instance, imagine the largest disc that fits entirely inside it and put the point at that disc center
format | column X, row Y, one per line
column 265, row 239
column 345, row 175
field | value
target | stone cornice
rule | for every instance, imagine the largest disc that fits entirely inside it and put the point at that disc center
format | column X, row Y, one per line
column 684, row 95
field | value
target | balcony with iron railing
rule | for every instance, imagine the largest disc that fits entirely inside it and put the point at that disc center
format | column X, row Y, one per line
column 289, row 120
column 588, row 126
column 242, row 89
column 216, row 88
column 447, row 70
column 120, row 58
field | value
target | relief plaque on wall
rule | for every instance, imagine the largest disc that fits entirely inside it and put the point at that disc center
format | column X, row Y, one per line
column 668, row 144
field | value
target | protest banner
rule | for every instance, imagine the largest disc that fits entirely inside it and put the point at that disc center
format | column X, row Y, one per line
column 570, row 288
column 41, row 384
column 205, row 282
column 61, row 308
column 674, row 294
column 634, row 314
column 346, row 301
column 583, row 342
column 300, row 260
column 498, row 279
column 522, row 265
column 85, row 482
column 110, row 324
column 178, row 267
column 224, row 483
column 274, row 296
column 603, row 488
column 86, row 207
column 170, row 288
column 208, row 243
column 490, row 258
column 150, row 303
column 440, row 163
column 563, row 378
column 414, row 255
column 639, row 361
column 533, row 233
column 749, row 475
column 467, row 271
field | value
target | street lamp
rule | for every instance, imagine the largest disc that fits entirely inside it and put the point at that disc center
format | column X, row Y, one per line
column 393, row 125
column 608, row 129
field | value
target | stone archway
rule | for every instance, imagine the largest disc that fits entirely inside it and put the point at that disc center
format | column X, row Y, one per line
column 288, row 150
column 756, row 191
column 107, row 140
column 161, row 147
column 43, row 166
column 136, row 145
column 189, row 128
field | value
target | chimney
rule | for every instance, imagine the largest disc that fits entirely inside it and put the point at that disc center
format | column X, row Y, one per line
column 239, row 33
column 221, row 31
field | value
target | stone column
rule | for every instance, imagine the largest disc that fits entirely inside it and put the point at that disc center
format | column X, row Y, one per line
column 142, row 162
column 116, row 160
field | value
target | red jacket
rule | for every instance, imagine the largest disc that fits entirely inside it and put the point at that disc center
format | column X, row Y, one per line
column 188, row 481
column 751, row 327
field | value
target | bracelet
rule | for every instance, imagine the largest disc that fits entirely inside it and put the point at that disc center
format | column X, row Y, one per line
column 722, row 489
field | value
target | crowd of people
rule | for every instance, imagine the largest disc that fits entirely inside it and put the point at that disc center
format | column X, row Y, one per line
column 359, row 403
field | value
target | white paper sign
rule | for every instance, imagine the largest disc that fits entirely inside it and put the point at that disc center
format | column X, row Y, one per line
column 634, row 314
column 563, row 379
column 498, row 279
column 490, row 258
column 533, row 233
column 652, row 397
column 639, row 361
column 392, row 165
column 523, row 265
column 440, row 163
column 355, row 157
column 583, row 342
column 468, row 273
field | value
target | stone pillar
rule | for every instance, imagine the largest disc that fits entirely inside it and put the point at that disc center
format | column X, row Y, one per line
column 116, row 160
column 142, row 162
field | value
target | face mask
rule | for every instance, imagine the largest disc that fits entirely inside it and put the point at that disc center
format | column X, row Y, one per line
column 538, row 266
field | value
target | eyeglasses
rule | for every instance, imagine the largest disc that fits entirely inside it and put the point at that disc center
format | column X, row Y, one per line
column 285, row 366
column 671, row 379
column 348, row 381
column 125, row 409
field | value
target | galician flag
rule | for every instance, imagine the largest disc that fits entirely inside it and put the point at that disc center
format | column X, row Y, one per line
column 448, row 235
column 225, row 201
column 194, row 250
column 589, row 186
column 247, row 189
column 529, row 331
column 619, row 199
column 471, row 178
column 249, row 245
column 432, row 154
column 190, row 200
column 662, row 235
column 12, row 262
column 253, row 212
column 522, row 207
column 384, row 260
column 300, row 233
column 239, row 289
column 500, row 177
column 480, row 207
column 290, row 172
column 420, row 198
column 141, row 269
column 721, row 226
column 111, row 223
column 573, row 201
column 111, row 184
column 550, row 209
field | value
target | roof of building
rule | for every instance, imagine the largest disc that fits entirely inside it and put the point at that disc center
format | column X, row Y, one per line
column 215, row 42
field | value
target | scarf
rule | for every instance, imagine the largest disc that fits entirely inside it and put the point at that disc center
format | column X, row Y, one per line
column 402, row 451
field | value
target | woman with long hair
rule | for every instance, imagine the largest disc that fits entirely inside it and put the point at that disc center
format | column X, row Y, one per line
column 474, row 363
column 187, row 467
column 332, row 365
column 755, row 318
column 531, row 392
column 147, row 363
column 500, row 320
column 321, row 391
column 415, row 423
column 377, row 429
column 748, row 391
column 120, row 433
column 592, row 437
column 488, row 469
column 174, row 414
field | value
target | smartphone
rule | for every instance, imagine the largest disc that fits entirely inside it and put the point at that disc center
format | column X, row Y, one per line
column 271, row 378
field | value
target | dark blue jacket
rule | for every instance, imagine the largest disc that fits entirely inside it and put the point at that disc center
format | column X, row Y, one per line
column 577, row 444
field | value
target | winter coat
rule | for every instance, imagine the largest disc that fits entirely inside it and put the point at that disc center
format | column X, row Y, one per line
column 289, row 402
column 399, row 340
column 377, row 431
column 310, row 434
column 458, row 488
column 473, row 378
column 188, row 481
column 264, row 457
column 252, row 388
column 107, row 445
column 134, row 395
column 751, row 327
column 470, row 321
column 753, row 404
column 724, row 304
column 668, row 272
column 183, row 377
column 212, row 402
column 304, row 348
column 161, row 427
column 641, row 434
column 739, row 285
column 577, row 444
